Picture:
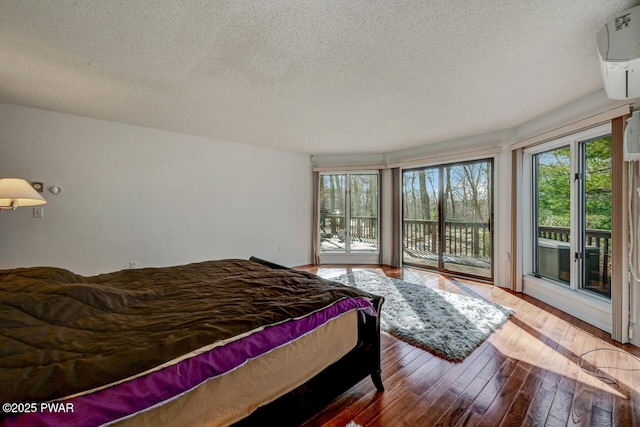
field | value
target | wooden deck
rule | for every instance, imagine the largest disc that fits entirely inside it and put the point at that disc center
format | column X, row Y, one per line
column 525, row 374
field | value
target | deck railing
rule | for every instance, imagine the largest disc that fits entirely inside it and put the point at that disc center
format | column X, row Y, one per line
column 362, row 227
column 462, row 239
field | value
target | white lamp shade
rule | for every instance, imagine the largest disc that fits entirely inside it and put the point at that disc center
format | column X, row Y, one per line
column 16, row 192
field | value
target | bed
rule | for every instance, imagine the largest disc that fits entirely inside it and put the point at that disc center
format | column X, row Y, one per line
column 200, row 344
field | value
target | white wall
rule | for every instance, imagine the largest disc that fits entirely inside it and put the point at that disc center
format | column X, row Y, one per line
column 138, row 194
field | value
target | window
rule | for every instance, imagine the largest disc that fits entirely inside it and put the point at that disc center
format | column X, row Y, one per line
column 571, row 200
column 552, row 199
column 349, row 212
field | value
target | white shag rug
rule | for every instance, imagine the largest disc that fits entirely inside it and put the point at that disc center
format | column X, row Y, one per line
column 444, row 323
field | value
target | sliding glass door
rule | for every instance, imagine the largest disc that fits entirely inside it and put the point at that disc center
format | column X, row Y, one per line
column 447, row 214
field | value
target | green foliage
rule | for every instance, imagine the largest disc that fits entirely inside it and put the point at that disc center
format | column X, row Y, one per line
column 598, row 184
column 554, row 185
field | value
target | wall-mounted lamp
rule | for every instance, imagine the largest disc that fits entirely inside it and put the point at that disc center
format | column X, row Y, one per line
column 16, row 192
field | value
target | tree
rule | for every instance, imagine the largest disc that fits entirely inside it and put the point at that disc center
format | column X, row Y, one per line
column 598, row 184
column 554, row 187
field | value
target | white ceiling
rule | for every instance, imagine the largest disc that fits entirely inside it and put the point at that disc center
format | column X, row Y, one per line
column 316, row 76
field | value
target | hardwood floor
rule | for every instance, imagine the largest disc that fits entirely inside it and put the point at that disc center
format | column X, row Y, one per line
column 525, row 374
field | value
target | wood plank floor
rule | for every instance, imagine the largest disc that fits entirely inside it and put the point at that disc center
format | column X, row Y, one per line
column 525, row 374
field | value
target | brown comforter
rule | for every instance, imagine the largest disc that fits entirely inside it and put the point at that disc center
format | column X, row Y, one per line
column 61, row 333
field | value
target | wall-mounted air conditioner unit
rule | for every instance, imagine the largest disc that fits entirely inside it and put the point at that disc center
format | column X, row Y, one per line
column 619, row 50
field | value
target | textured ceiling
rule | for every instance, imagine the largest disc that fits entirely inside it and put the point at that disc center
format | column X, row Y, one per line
column 315, row 76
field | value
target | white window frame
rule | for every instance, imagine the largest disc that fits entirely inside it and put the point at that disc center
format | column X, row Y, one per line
column 348, row 256
column 587, row 306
